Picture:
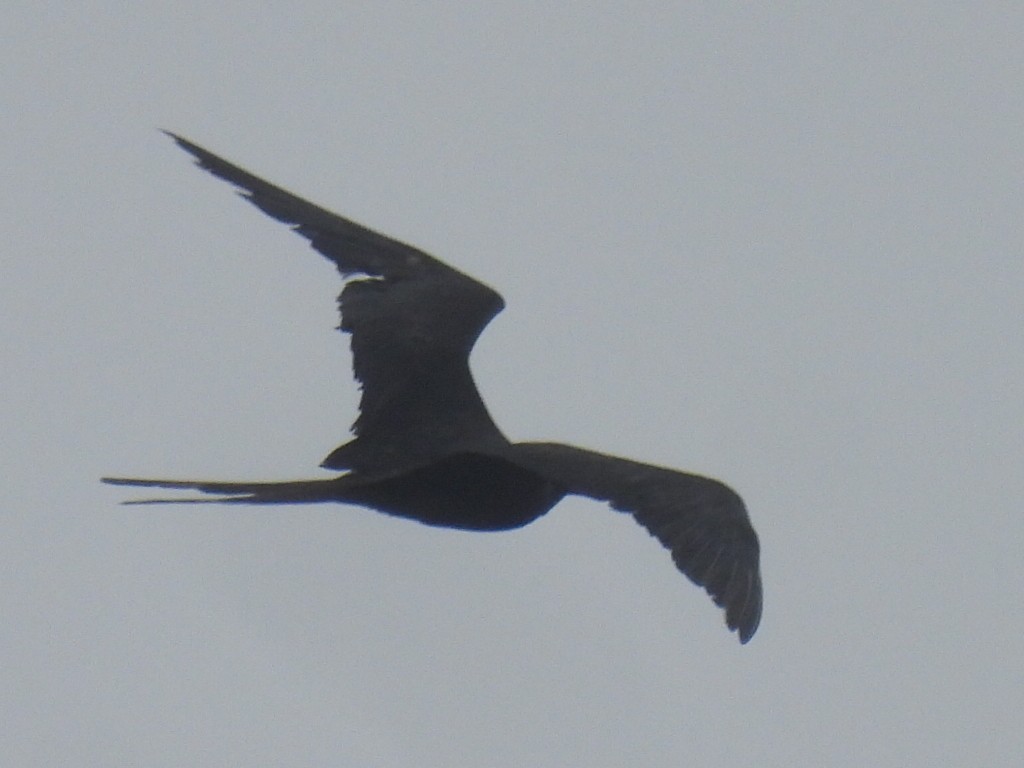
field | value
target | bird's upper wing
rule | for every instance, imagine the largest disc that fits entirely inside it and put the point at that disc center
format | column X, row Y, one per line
column 701, row 521
column 413, row 321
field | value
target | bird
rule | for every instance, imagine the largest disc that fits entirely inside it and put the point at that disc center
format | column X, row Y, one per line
column 424, row 446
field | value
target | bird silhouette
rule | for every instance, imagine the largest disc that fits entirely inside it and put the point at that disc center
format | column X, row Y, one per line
column 424, row 445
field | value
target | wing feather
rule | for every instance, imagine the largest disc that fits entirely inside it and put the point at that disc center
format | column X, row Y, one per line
column 702, row 522
column 413, row 321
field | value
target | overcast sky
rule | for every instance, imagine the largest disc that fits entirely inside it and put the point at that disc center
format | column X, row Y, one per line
column 782, row 248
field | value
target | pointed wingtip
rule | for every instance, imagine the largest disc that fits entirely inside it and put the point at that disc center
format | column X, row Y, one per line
column 748, row 617
column 203, row 157
column 745, row 633
column 181, row 141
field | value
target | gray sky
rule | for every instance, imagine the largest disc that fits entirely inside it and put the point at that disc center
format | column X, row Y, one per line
column 782, row 248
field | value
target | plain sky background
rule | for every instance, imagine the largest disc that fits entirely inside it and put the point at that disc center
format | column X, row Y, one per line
column 780, row 247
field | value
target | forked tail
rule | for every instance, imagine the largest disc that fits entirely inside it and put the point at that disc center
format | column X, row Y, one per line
column 291, row 492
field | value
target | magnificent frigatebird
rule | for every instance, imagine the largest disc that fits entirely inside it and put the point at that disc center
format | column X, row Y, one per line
column 425, row 446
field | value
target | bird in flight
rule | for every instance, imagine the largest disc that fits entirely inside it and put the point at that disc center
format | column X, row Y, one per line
column 424, row 445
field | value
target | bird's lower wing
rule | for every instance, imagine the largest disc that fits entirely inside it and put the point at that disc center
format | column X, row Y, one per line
column 701, row 521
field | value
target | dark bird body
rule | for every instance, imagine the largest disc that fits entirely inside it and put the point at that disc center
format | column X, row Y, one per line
column 426, row 448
